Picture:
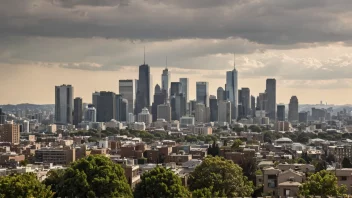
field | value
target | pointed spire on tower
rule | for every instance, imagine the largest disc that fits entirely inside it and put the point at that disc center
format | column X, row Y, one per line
column 234, row 61
column 144, row 55
column 166, row 62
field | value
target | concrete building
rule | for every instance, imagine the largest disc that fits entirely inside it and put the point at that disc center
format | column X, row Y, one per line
column 232, row 90
column 145, row 117
column 10, row 133
column 25, row 126
column 160, row 97
column 90, row 114
column 213, row 102
column 252, row 106
column 78, row 111
column 224, row 111
column 282, row 126
column 293, row 109
column 245, row 100
column 186, row 121
column 121, row 108
column 202, row 93
column 271, row 95
column 62, row 156
column 95, row 97
column 106, row 107
column 164, row 112
column 139, row 126
column 281, row 114
column 220, row 94
column 63, row 104
column 203, row 130
column 185, row 88
column 200, row 113
column 178, row 106
column 303, row 117
column 127, row 89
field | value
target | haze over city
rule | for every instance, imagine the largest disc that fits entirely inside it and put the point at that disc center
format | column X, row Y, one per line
column 92, row 45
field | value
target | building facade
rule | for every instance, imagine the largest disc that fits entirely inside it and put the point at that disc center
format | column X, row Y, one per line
column 63, row 104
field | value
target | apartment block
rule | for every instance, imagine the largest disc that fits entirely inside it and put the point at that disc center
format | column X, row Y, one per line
column 10, row 133
column 56, row 155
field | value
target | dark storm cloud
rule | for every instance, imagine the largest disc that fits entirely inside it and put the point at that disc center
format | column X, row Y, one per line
column 279, row 22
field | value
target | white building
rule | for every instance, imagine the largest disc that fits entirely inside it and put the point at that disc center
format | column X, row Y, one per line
column 25, row 126
column 140, row 126
column 113, row 124
column 90, row 114
column 52, row 128
column 145, row 117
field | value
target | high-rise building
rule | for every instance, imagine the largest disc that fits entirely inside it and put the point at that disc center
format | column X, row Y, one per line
column 121, row 108
column 90, row 114
column 202, row 93
column 281, row 114
column 224, row 111
column 178, row 106
column 252, row 106
column 106, row 107
column 78, row 111
column 213, row 102
column 2, row 117
column 232, row 90
column 200, row 113
column 245, row 101
column 262, row 101
column 145, row 116
column 293, row 109
column 10, row 133
column 63, row 104
column 159, row 98
column 185, row 89
column 220, row 94
column 127, row 88
column 25, row 126
column 164, row 112
column 143, row 89
column 165, row 81
column 192, row 107
column 176, row 88
column 303, row 117
column 271, row 95
column 95, row 96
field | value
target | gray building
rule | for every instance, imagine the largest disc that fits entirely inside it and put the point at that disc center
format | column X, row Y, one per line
column 232, row 90
column 165, row 81
column 213, row 102
column 143, row 89
column 127, row 88
column 245, row 101
column 253, row 106
column 303, row 117
column 95, row 96
column 63, row 104
column 106, row 109
column 176, row 88
column 271, row 95
column 281, row 114
column 224, row 111
column 121, row 108
column 178, row 106
column 78, row 111
column 202, row 93
column 220, row 94
column 164, row 112
column 90, row 114
column 293, row 109
column 185, row 89
column 159, row 98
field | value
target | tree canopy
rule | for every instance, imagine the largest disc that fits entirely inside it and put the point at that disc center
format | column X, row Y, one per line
column 323, row 184
column 346, row 163
column 160, row 182
column 23, row 185
column 93, row 176
column 221, row 177
column 236, row 145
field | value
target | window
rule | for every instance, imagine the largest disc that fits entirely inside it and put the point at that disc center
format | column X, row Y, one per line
column 343, row 178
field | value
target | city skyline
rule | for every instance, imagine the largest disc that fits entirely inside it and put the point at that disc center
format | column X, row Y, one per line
column 43, row 45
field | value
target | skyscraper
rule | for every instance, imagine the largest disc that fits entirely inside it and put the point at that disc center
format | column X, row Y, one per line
column 303, row 117
column 245, row 100
column 185, row 90
column 95, row 96
column 90, row 114
column 106, row 108
column 78, row 111
column 213, row 102
column 293, row 109
column 143, row 89
column 271, row 95
column 224, row 111
column 164, row 112
column 10, row 133
column 63, row 104
column 121, row 108
column 202, row 93
column 159, row 98
column 232, row 90
column 165, row 80
column 253, row 106
column 200, row 113
column 281, row 114
column 2, row 117
column 176, row 88
column 220, row 94
column 127, row 88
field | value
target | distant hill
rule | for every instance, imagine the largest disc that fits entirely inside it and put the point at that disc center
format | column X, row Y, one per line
column 24, row 106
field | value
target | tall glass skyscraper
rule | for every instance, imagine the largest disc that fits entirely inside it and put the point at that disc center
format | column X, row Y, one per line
column 232, row 90
column 143, row 89
column 127, row 88
column 63, row 104
column 185, row 90
column 165, row 80
column 271, row 96
column 202, row 95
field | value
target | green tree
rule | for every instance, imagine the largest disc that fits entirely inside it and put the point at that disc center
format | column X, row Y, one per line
column 301, row 161
column 160, row 182
column 93, row 176
column 255, row 128
column 205, row 193
column 222, row 176
column 323, row 183
column 23, row 185
column 319, row 165
column 346, row 163
column 236, row 145
column 54, row 179
column 24, row 162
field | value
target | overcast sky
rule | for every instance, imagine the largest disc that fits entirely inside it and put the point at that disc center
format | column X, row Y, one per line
column 91, row 44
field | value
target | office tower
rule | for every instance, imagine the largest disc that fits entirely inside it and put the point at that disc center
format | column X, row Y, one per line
column 192, row 107
column 262, row 101
column 77, row 111
column 303, row 117
column 143, row 89
column 159, row 98
column 176, row 88
column 293, row 109
column 127, row 88
column 2, row 117
column 213, row 102
column 271, row 95
column 121, row 108
column 63, row 104
column 185, row 89
column 246, row 102
column 319, row 114
column 25, row 126
column 10, row 133
column 253, row 106
column 165, row 81
column 164, row 112
column 202, row 93
column 144, row 116
column 281, row 114
column 95, row 97
column 90, row 114
column 232, row 90
column 106, row 107
column 224, row 111
column 220, row 94
column 178, row 106
column 200, row 113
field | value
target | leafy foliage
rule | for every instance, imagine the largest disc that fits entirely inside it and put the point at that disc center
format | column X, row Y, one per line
column 222, row 177
column 346, row 163
column 23, row 185
column 94, row 176
column 236, row 145
column 323, row 184
column 160, row 182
